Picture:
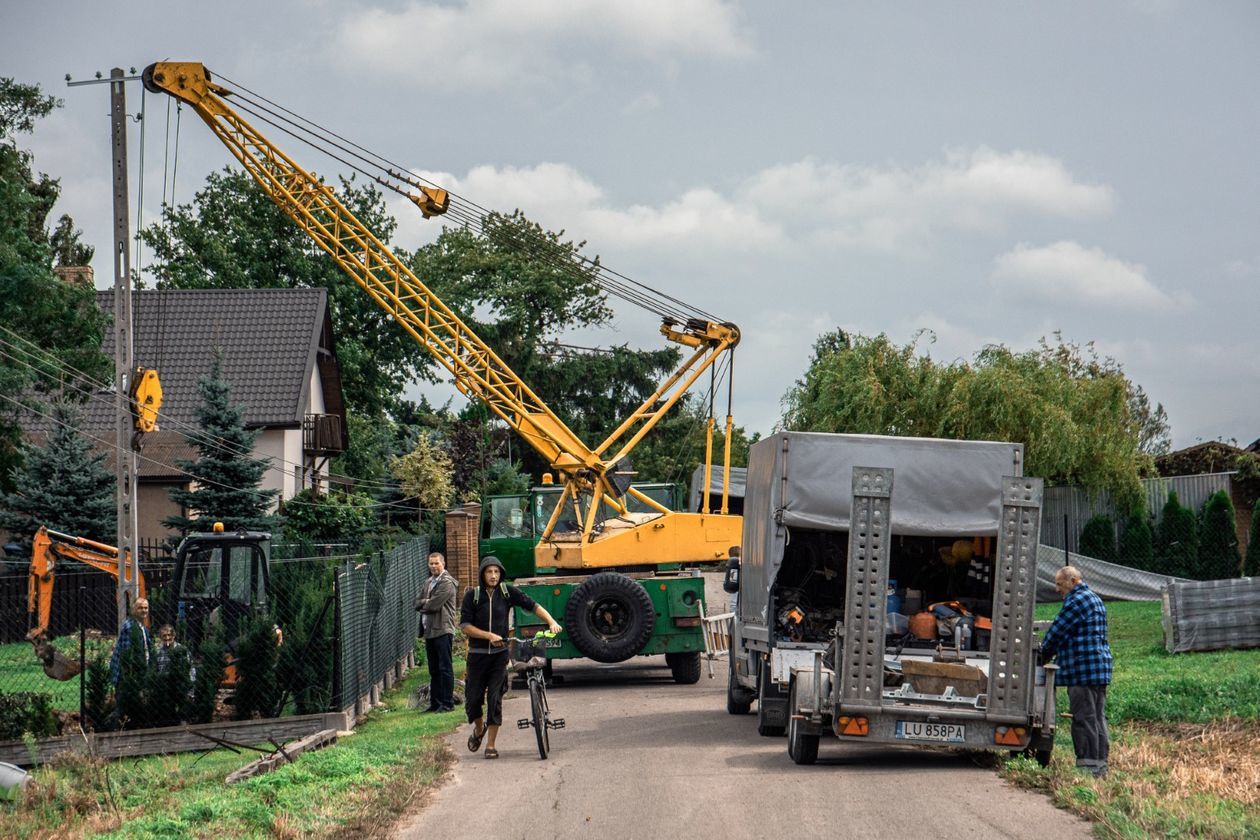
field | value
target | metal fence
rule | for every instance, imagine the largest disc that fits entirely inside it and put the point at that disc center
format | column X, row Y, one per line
column 331, row 628
column 378, row 621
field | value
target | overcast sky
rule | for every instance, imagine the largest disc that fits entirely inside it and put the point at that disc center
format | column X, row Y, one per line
column 992, row 172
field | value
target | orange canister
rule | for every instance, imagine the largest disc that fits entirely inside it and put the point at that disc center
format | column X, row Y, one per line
column 923, row 625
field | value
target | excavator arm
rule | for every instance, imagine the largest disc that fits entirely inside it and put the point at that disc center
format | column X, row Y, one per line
column 48, row 549
column 590, row 474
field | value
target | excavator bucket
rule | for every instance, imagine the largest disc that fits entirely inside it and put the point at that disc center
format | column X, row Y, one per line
column 57, row 665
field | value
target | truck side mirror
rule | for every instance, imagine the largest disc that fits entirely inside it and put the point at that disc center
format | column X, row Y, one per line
column 730, row 581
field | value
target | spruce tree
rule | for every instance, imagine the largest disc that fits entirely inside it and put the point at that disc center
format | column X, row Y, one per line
column 226, row 475
column 1098, row 538
column 1218, row 541
column 1252, row 566
column 62, row 484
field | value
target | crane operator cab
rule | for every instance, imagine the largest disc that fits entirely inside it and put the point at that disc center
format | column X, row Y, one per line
column 222, row 581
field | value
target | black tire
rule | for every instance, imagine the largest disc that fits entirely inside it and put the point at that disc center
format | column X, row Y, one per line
column 765, row 689
column 609, row 617
column 739, row 700
column 684, row 666
column 538, row 707
column 802, row 747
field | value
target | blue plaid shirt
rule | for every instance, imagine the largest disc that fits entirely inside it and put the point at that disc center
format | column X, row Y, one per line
column 1078, row 640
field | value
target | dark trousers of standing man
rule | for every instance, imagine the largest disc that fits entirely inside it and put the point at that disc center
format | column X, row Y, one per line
column 1089, row 726
column 437, row 652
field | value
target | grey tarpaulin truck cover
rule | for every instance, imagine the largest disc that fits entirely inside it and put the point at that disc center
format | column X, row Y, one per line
column 804, row 479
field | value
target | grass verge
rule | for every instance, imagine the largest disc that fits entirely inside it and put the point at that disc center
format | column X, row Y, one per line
column 1184, row 730
column 359, row 786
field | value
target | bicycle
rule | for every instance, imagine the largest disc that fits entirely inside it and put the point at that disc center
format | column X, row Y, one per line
column 529, row 657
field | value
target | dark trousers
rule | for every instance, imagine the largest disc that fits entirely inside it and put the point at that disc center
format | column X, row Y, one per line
column 1089, row 726
column 486, row 679
column 437, row 652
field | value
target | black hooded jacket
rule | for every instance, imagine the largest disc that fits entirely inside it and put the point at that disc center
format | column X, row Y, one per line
column 490, row 610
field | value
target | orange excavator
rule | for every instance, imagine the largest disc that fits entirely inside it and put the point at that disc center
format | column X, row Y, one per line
column 48, row 550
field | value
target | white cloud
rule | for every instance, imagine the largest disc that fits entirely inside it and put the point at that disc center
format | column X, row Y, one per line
column 803, row 204
column 893, row 207
column 488, row 43
column 1070, row 271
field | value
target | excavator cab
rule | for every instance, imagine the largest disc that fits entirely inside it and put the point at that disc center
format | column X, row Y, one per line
column 221, row 579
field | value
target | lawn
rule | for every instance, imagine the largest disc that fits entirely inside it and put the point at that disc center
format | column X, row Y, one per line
column 21, row 671
column 1184, row 730
column 366, row 781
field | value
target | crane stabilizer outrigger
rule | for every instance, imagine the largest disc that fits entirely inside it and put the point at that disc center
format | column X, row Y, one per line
column 593, row 478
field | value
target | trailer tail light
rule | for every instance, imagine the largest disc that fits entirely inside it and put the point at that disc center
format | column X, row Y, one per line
column 853, row 725
column 1010, row 736
column 687, row 621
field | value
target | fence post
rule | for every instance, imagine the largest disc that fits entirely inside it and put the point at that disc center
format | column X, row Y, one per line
column 337, row 643
column 1067, row 547
column 82, row 657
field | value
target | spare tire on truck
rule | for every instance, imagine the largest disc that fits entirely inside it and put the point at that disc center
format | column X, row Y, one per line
column 609, row 617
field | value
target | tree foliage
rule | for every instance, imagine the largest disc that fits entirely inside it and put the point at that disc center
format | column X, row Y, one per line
column 1252, row 565
column 62, row 484
column 1218, row 541
column 338, row 516
column 1068, row 406
column 232, row 236
column 47, row 326
column 1098, row 538
column 1137, row 548
column 425, row 475
column 1176, row 539
column 225, row 475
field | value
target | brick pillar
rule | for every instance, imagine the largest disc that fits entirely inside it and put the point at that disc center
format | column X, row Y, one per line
column 462, row 535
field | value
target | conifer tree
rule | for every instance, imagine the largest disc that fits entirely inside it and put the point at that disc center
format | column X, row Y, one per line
column 1218, row 542
column 1252, row 567
column 226, row 475
column 62, row 484
column 1098, row 538
column 1137, row 549
column 1176, row 539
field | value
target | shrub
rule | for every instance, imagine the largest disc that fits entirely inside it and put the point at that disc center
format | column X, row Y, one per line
column 1176, row 539
column 210, row 667
column 1137, row 548
column 26, row 713
column 1098, row 538
column 98, row 704
column 133, row 672
column 257, row 688
column 1253, row 543
column 1218, row 541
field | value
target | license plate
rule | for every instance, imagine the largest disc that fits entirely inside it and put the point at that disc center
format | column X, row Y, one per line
column 917, row 730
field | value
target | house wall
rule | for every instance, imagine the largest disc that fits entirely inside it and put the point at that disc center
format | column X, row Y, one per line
column 153, row 505
column 284, row 448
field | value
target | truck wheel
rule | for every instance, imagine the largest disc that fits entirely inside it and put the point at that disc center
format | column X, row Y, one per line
column 738, row 699
column 802, row 747
column 767, row 694
column 609, row 617
column 684, row 666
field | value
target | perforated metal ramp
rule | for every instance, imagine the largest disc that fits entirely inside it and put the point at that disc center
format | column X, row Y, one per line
column 862, row 667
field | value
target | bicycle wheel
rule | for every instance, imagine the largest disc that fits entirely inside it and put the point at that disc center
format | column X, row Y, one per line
column 538, row 706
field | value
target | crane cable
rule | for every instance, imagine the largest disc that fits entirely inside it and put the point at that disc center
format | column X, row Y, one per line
column 613, row 282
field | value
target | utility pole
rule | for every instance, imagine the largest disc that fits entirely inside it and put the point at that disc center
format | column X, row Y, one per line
column 126, row 435
column 124, row 355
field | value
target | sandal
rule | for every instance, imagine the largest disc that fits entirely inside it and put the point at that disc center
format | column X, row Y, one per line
column 491, row 752
column 474, row 740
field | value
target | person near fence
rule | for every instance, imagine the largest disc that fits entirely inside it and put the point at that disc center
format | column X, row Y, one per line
column 1078, row 640
column 134, row 627
column 484, row 617
column 436, row 604
column 168, row 650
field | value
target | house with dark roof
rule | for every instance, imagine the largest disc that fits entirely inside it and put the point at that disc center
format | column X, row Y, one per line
column 279, row 358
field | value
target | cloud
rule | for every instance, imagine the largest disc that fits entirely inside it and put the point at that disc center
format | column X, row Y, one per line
column 1070, row 271
column 805, row 204
column 492, row 43
column 891, row 207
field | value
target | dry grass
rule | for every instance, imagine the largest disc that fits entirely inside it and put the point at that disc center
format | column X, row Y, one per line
column 1218, row 759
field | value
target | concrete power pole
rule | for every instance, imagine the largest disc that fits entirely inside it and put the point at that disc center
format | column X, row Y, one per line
column 124, row 357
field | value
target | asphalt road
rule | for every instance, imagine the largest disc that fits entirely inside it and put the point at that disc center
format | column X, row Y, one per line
column 641, row 757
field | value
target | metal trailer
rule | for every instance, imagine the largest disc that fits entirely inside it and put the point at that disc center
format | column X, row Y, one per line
column 856, row 680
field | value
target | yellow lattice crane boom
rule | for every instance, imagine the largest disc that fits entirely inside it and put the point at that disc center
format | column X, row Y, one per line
column 595, row 479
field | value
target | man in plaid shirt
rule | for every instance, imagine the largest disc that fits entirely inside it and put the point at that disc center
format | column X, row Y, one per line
column 1078, row 638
